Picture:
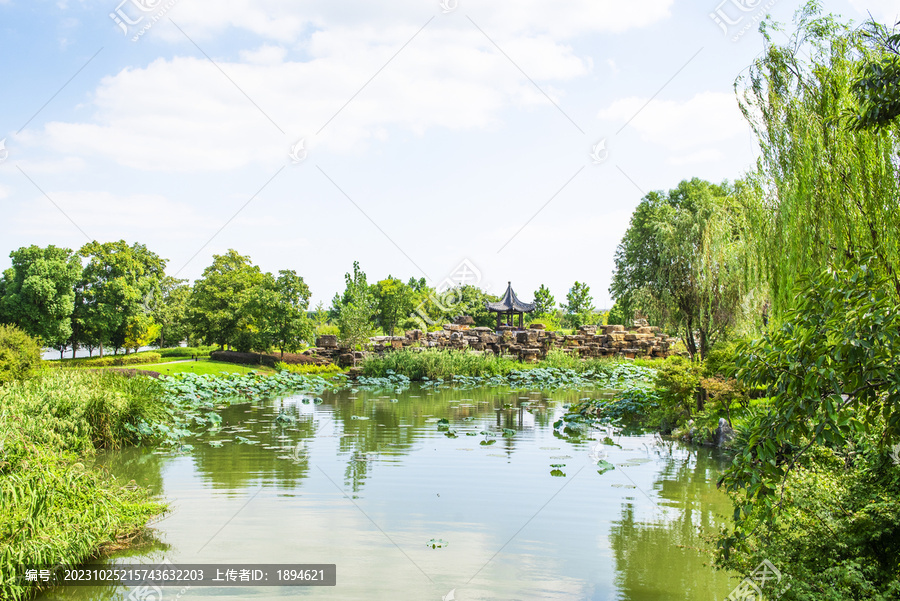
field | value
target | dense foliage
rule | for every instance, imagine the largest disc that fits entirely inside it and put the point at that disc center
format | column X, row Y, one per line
column 684, row 259
column 20, row 355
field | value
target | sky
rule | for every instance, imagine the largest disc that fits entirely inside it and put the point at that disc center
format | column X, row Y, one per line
column 505, row 141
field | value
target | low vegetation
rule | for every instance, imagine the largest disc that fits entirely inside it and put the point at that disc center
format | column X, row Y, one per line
column 54, row 507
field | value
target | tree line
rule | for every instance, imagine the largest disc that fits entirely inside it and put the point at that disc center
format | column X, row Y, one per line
column 118, row 296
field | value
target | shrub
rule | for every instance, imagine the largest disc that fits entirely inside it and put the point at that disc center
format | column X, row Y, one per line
column 111, row 360
column 678, row 381
column 262, row 358
column 328, row 330
column 309, row 368
column 187, row 351
column 20, row 355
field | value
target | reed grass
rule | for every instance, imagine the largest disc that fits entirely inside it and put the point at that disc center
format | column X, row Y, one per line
column 55, row 508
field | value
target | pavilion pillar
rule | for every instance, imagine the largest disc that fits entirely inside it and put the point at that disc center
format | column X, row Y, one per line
column 498, row 320
column 521, row 321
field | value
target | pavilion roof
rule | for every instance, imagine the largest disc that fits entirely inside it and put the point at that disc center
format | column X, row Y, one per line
column 510, row 302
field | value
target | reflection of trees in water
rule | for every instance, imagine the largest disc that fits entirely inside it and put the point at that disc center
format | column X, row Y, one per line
column 236, row 465
column 668, row 558
column 134, row 463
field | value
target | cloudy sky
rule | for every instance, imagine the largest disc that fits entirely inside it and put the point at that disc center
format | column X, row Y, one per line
column 409, row 135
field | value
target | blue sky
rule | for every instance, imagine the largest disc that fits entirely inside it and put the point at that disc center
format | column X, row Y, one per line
column 432, row 133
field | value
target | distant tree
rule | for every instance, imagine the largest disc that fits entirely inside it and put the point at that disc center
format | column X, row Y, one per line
column 319, row 317
column 38, row 293
column 280, row 307
column 687, row 249
column 417, row 285
column 115, row 283
column 544, row 303
column 468, row 300
column 618, row 315
column 579, row 305
column 218, row 307
column 140, row 331
column 356, row 309
column 394, row 301
column 170, row 311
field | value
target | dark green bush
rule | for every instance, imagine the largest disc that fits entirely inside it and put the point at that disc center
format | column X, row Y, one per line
column 677, row 382
column 20, row 355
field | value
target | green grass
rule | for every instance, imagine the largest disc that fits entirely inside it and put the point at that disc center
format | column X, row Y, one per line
column 437, row 365
column 206, row 367
column 54, row 507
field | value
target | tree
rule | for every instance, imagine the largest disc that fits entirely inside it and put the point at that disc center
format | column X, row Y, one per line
column 356, row 309
column 579, row 305
column 38, row 292
column 827, row 191
column 877, row 83
column 686, row 252
column 219, row 304
column 280, row 307
column 170, row 311
column 394, row 300
column 114, row 285
column 140, row 331
column 470, row 300
column 831, row 371
column 544, row 303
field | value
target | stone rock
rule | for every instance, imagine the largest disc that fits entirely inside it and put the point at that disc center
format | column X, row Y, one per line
column 327, row 341
column 724, row 433
column 464, row 320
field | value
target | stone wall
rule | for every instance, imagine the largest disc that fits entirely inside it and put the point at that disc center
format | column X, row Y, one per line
column 638, row 340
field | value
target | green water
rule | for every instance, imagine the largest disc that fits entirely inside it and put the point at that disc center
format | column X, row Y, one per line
column 366, row 482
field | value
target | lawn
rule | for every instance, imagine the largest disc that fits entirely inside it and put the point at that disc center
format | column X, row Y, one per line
column 203, row 366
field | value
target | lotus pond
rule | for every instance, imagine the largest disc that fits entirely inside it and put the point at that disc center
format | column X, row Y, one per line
column 415, row 490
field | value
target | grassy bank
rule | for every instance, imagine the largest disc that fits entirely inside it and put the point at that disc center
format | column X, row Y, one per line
column 54, row 507
column 441, row 365
column 205, row 367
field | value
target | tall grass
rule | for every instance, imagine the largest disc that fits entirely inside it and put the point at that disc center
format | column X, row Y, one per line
column 54, row 508
column 441, row 364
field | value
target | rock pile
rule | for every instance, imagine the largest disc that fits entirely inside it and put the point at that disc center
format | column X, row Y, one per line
column 638, row 340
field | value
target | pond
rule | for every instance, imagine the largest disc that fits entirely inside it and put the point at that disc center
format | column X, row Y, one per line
column 431, row 494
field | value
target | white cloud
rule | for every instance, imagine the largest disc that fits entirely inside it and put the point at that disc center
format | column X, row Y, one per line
column 707, row 119
column 4, row 192
column 182, row 114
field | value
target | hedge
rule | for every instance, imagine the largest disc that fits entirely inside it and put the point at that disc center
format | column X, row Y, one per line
column 261, row 358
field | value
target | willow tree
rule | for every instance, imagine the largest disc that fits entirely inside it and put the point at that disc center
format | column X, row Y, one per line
column 829, row 191
column 685, row 256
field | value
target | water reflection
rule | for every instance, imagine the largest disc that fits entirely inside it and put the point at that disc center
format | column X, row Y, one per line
column 271, row 486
